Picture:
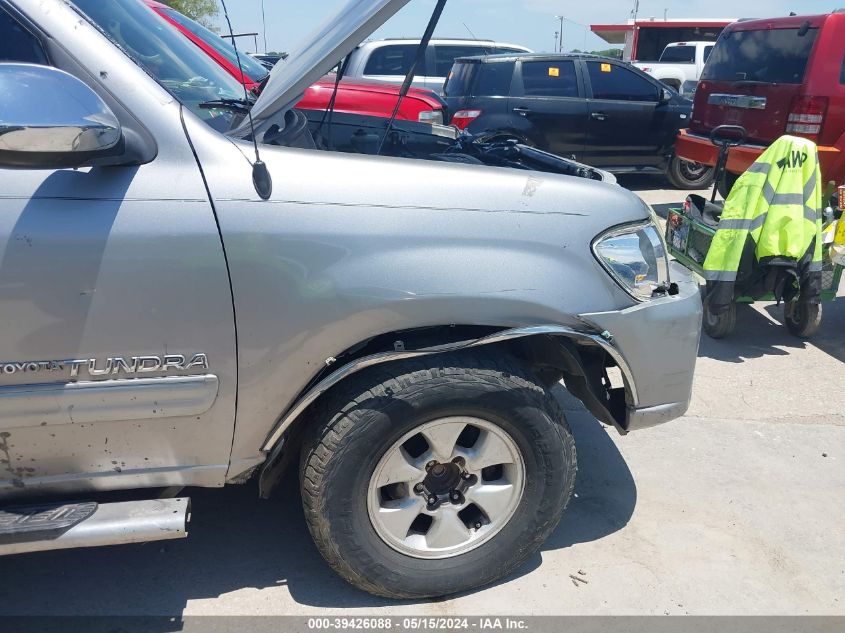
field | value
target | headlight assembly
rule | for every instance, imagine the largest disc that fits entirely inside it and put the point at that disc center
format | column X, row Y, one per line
column 635, row 256
column 431, row 116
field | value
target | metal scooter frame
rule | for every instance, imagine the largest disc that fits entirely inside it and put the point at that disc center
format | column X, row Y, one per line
column 689, row 237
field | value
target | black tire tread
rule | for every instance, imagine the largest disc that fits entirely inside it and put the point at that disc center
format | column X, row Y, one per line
column 807, row 327
column 325, row 444
column 674, row 176
column 725, row 325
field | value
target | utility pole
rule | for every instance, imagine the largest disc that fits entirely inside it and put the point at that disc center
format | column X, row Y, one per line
column 560, row 42
column 263, row 26
column 556, row 40
column 636, row 9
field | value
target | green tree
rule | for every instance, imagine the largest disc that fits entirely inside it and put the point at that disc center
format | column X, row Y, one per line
column 200, row 10
column 608, row 52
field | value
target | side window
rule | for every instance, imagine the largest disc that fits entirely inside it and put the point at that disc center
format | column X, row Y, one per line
column 495, row 80
column 550, row 79
column 394, row 59
column 616, row 83
column 459, row 81
column 17, row 44
column 707, row 51
column 445, row 56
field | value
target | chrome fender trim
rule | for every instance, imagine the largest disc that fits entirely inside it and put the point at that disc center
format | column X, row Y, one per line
column 590, row 338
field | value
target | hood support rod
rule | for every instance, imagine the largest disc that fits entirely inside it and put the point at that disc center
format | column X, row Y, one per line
column 418, row 62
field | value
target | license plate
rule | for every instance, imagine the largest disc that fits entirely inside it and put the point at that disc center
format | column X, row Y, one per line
column 738, row 101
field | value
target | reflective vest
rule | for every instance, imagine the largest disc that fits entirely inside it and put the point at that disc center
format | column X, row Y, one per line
column 769, row 236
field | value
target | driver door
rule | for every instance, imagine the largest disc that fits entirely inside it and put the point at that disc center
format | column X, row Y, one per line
column 117, row 340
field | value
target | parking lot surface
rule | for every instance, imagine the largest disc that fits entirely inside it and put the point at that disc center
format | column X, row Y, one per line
column 737, row 508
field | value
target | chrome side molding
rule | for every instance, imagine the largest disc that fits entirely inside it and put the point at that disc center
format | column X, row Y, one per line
column 106, row 400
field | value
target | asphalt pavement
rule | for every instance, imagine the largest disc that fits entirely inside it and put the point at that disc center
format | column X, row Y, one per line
column 737, row 508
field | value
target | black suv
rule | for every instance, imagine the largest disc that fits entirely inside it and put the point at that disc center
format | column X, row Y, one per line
column 601, row 111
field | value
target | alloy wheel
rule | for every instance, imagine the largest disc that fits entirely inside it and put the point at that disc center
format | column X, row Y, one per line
column 446, row 487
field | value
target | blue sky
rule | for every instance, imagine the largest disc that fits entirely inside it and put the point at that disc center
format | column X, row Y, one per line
column 527, row 22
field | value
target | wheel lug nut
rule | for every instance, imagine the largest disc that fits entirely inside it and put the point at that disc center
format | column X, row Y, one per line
column 478, row 525
column 455, row 496
column 466, row 476
column 418, row 488
column 432, row 500
column 430, row 465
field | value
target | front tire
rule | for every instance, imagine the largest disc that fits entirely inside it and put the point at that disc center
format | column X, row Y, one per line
column 438, row 475
column 684, row 174
column 726, row 184
column 802, row 319
column 719, row 325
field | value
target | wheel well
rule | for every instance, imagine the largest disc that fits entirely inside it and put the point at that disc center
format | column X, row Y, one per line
column 672, row 83
column 587, row 370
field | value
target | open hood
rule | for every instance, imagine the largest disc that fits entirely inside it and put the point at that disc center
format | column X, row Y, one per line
column 316, row 55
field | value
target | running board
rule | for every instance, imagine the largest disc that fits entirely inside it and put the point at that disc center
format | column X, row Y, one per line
column 44, row 527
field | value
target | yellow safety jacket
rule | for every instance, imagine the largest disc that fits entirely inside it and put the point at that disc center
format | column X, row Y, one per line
column 769, row 235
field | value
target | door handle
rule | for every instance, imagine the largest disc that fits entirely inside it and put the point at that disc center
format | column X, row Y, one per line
column 522, row 111
column 598, row 116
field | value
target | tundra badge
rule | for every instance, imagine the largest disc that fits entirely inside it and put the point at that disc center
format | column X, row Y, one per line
column 110, row 366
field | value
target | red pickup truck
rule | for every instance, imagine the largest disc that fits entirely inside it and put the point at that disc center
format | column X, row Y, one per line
column 773, row 77
column 353, row 96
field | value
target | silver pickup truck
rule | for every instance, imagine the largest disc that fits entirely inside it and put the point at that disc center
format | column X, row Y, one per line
column 175, row 313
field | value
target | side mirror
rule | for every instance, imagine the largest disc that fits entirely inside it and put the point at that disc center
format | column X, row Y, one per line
column 50, row 119
column 665, row 95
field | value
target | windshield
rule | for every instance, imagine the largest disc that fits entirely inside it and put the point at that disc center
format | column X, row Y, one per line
column 167, row 56
column 252, row 68
column 771, row 56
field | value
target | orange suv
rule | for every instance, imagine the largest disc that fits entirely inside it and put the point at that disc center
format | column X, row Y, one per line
column 773, row 77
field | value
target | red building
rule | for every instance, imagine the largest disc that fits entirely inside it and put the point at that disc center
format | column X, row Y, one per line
column 645, row 40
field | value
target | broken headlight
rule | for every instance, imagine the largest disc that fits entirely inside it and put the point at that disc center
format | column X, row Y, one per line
column 635, row 256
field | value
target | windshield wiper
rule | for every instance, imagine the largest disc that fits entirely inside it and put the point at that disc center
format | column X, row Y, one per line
column 235, row 105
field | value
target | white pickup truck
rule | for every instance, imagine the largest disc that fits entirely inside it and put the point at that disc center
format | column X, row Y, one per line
column 680, row 64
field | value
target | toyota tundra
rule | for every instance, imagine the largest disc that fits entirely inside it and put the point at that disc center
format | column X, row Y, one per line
column 187, row 300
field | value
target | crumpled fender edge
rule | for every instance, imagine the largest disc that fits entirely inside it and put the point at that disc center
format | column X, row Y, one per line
column 602, row 340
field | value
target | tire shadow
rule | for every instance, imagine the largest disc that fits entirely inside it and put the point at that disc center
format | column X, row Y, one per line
column 757, row 335
column 829, row 337
column 239, row 543
column 605, row 492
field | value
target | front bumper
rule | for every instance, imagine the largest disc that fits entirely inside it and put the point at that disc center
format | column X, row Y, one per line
column 699, row 149
column 659, row 342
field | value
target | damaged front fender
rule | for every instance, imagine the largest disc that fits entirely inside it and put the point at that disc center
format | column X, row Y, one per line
column 578, row 380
